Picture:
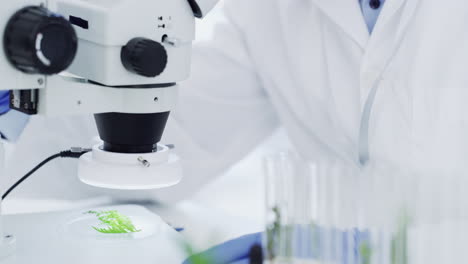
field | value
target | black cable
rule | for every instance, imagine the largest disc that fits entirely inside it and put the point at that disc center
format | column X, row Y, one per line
column 73, row 153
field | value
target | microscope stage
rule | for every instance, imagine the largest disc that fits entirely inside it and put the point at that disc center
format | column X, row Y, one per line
column 69, row 237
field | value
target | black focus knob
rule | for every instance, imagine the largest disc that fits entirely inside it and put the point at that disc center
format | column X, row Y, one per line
column 37, row 41
column 144, row 57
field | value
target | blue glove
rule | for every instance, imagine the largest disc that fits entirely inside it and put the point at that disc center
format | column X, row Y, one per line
column 312, row 245
column 232, row 252
column 4, row 102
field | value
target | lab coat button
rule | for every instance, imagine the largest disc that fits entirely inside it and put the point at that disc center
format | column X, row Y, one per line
column 375, row 4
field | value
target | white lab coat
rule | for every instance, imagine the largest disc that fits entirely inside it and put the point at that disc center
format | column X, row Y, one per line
column 310, row 66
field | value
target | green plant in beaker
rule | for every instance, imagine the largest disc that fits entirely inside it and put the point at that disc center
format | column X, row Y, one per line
column 273, row 234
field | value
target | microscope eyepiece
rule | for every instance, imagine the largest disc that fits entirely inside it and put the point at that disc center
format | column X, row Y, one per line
column 37, row 41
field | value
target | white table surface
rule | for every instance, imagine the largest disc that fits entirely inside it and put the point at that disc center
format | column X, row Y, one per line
column 229, row 207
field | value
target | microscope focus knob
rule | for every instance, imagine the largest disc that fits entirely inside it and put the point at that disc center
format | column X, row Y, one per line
column 37, row 41
column 144, row 57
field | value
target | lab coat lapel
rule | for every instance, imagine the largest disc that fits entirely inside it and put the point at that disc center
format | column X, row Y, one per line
column 389, row 10
column 376, row 70
column 385, row 42
column 347, row 15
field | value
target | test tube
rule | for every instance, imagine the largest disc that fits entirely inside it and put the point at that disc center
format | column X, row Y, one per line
column 289, row 212
column 311, row 210
column 439, row 225
column 415, row 217
column 384, row 213
column 337, row 218
column 333, row 213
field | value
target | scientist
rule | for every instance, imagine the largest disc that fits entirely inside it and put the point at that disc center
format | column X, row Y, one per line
column 360, row 81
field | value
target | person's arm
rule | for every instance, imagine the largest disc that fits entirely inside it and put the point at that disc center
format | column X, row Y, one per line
column 230, row 252
column 223, row 111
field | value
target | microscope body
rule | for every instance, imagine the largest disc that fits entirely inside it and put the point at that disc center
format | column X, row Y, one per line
column 104, row 27
column 120, row 60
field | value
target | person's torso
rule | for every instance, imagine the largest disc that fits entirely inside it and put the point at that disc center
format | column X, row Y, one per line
column 319, row 64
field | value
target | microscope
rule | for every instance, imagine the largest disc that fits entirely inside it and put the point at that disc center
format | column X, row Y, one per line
column 120, row 60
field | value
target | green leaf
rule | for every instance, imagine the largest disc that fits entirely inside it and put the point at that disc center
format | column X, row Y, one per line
column 114, row 222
